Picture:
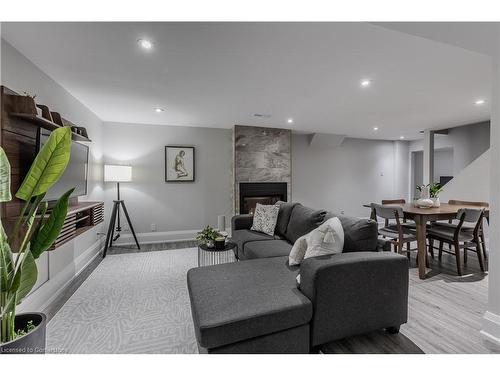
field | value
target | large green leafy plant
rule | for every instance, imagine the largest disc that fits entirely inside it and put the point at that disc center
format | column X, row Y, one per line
column 34, row 230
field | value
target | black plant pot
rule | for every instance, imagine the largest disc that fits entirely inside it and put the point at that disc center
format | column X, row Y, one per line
column 31, row 343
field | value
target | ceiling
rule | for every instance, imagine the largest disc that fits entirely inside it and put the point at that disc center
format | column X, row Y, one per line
column 221, row 74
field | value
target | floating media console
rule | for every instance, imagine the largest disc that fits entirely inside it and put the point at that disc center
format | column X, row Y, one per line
column 80, row 218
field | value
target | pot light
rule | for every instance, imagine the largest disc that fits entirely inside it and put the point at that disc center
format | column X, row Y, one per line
column 402, row 137
column 480, row 102
column 290, row 120
column 159, row 110
column 145, row 44
column 375, row 128
column 365, row 82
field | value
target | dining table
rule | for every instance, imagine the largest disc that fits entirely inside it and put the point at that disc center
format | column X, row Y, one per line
column 422, row 216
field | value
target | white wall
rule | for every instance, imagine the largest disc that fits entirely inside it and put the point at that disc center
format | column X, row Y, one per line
column 467, row 142
column 58, row 267
column 344, row 178
column 173, row 207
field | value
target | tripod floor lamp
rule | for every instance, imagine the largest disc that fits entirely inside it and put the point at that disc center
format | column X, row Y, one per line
column 117, row 173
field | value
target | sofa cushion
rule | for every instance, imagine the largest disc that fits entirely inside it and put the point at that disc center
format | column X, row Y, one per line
column 359, row 234
column 242, row 236
column 302, row 221
column 226, row 309
column 266, row 249
column 283, row 217
column 264, row 218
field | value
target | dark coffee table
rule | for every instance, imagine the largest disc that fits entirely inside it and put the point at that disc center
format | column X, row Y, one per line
column 208, row 256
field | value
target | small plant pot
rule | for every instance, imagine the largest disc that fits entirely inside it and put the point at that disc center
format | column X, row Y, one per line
column 31, row 343
column 220, row 243
column 210, row 244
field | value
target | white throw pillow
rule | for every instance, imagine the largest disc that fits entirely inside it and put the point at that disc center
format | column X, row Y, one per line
column 264, row 218
column 298, row 251
column 328, row 238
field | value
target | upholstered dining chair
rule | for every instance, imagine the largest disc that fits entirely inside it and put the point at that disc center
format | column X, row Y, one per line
column 469, row 227
column 457, row 236
column 396, row 233
column 405, row 223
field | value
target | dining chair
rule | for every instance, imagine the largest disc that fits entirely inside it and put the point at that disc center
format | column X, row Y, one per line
column 407, row 224
column 466, row 227
column 470, row 228
column 458, row 237
column 397, row 233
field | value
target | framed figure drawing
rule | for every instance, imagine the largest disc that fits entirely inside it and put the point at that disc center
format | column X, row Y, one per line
column 179, row 163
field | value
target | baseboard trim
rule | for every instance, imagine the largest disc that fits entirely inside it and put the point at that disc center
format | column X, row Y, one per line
column 156, row 237
column 491, row 327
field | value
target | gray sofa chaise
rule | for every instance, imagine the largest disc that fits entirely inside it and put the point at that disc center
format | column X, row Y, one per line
column 256, row 305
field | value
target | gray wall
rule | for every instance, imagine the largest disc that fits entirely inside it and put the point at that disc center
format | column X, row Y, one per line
column 179, row 206
column 58, row 267
column 345, row 177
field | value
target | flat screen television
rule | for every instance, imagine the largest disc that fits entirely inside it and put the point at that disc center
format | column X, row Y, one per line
column 75, row 174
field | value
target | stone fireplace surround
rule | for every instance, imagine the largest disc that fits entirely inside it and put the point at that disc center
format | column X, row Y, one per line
column 261, row 155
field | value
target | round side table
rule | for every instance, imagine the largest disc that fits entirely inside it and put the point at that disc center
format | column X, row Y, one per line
column 208, row 256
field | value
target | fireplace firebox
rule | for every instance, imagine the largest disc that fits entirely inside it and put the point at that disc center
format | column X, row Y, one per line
column 267, row 193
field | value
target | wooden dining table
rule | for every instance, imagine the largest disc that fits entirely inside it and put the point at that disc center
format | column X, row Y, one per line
column 422, row 216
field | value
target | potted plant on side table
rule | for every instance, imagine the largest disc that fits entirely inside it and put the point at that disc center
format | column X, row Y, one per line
column 208, row 236
column 34, row 231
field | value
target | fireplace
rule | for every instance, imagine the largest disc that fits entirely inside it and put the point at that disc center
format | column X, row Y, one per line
column 252, row 193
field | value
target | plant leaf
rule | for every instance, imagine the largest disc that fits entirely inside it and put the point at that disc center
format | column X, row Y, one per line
column 5, row 195
column 45, row 235
column 6, row 262
column 48, row 166
column 28, row 274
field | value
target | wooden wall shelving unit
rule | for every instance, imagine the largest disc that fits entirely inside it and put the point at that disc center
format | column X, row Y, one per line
column 80, row 218
column 18, row 137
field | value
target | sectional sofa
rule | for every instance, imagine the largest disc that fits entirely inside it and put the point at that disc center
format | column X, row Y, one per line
column 256, row 305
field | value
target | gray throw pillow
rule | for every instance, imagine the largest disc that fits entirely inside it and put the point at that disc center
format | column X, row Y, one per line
column 264, row 218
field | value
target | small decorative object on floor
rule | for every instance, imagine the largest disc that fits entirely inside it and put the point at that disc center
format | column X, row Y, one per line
column 179, row 164
column 208, row 236
column 221, row 223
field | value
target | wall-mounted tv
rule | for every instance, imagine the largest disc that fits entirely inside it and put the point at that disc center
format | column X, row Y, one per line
column 76, row 172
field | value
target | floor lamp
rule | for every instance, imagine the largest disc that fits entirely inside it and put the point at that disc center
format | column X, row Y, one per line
column 117, row 173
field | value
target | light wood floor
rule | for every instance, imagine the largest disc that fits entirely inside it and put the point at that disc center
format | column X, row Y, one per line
column 445, row 313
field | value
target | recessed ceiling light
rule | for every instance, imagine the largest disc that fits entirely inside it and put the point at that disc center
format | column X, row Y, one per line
column 365, row 82
column 159, row 110
column 480, row 102
column 375, row 128
column 144, row 43
column 290, row 120
column 402, row 137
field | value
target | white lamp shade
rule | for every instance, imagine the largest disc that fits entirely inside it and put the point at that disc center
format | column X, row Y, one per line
column 117, row 173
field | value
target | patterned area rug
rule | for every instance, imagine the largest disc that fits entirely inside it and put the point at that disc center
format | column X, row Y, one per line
column 131, row 303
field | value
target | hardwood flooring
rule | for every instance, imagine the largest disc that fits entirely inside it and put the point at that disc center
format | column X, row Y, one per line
column 445, row 313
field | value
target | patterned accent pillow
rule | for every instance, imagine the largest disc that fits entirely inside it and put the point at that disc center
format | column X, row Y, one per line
column 264, row 218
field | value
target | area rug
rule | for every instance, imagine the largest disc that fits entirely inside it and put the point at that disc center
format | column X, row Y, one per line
column 131, row 303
